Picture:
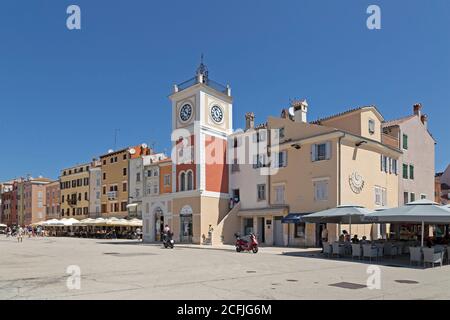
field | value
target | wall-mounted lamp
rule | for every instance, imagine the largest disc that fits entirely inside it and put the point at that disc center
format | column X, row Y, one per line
column 360, row 143
column 296, row 146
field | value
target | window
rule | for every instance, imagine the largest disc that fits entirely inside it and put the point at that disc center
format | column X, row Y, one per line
column 124, row 187
column 321, row 190
column 125, row 156
column 405, row 142
column 104, row 175
column 413, row 197
column 155, row 173
column 190, row 181
column 167, row 179
column 104, row 162
column 405, row 197
column 321, row 151
column 104, row 207
column 62, row 198
column 394, row 166
column 282, row 159
column 123, row 206
column 138, row 193
column 155, row 188
column 380, row 196
column 279, row 194
column 371, row 126
column 124, row 171
column 281, row 134
column 259, row 161
column 423, row 196
column 384, row 163
column 104, row 189
column 79, row 197
column 411, row 172
column 182, row 181
column 261, row 190
column 300, row 229
column 97, row 195
column 138, row 177
column 86, row 196
column 85, row 210
column 405, row 171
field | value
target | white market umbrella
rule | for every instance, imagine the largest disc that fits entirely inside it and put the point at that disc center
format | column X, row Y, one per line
column 3, row 225
column 341, row 214
column 421, row 211
column 52, row 222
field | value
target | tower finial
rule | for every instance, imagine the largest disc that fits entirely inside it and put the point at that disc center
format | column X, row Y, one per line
column 202, row 69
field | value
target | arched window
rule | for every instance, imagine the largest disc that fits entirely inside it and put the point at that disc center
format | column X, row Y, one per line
column 190, row 181
column 182, row 181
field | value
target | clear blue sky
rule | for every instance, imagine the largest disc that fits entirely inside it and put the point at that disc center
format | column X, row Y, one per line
column 63, row 93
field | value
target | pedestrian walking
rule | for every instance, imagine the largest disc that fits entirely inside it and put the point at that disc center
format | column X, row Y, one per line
column 20, row 234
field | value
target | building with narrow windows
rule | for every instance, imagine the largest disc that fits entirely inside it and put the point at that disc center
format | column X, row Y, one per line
column 53, row 198
column 74, row 185
column 115, row 180
column 410, row 134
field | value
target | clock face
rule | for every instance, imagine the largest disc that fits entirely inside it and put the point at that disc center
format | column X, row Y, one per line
column 185, row 112
column 217, row 114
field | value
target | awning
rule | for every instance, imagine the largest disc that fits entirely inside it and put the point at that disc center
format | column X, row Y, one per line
column 262, row 212
column 132, row 205
column 292, row 218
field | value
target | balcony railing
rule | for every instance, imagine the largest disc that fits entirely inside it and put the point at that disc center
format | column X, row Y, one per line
column 210, row 83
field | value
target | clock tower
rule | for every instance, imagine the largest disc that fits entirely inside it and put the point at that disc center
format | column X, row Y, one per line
column 201, row 122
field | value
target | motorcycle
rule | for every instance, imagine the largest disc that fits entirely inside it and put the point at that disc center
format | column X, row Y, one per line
column 168, row 241
column 243, row 245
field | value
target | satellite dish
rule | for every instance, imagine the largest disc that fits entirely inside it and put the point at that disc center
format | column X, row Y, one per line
column 291, row 111
column 132, row 151
column 144, row 145
column 110, row 151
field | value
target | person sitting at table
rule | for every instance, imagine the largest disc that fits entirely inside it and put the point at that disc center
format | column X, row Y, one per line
column 346, row 236
column 430, row 242
column 364, row 240
column 341, row 238
column 355, row 239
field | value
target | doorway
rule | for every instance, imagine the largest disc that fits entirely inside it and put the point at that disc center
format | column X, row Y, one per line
column 236, row 195
column 186, row 229
column 261, row 230
column 248, row 226
column 319, row 228
column 278, row 232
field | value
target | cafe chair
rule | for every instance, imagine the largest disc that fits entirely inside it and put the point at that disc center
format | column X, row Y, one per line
column 337, row 249
column 356, row 251
column 429, row 256
column 415, row 255
column 370, row 252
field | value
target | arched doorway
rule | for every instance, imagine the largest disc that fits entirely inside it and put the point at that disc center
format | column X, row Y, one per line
column 186, row 224
column 159, row 223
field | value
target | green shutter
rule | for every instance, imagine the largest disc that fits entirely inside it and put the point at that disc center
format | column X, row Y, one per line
column 405, row 141
column 411, row 172
column 405, row 171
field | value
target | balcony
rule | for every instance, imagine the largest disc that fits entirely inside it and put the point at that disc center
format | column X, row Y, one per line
column 210, row 83
column 390, row 141
column 112, row 195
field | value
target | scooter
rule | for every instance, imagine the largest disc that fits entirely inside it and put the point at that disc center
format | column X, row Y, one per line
column 242, row 245
column 168, row 241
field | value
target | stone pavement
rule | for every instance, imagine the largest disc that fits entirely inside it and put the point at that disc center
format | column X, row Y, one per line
column 126, row 269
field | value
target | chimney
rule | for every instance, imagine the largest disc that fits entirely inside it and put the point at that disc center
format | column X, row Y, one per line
column 424, row 119
column 418, row 110
column 300, row 110
column 249, row 120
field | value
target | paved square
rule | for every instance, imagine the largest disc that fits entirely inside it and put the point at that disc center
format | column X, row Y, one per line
column 121, row 269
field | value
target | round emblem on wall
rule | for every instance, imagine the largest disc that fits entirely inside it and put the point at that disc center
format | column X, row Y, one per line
column 185, row 112
column 356, row 182
column 217, row 114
